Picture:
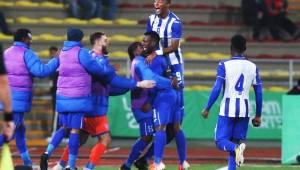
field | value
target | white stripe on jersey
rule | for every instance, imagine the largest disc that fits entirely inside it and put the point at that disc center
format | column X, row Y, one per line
column 240, row 75
column 154, row 22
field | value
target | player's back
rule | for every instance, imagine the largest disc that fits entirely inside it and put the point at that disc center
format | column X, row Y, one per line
column 240, row 75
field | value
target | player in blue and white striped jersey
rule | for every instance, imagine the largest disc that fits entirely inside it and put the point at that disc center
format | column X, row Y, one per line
column 169, row 28
column 236, row 76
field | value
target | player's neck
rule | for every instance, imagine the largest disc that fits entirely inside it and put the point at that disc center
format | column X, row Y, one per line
column 237, row 55
column 164, row 14
column 98, row 50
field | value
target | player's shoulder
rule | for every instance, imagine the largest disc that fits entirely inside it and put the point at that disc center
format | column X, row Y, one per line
column 173, row 15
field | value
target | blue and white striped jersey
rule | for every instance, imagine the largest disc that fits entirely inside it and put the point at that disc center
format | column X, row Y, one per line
column 169, row 28
column 239, row 75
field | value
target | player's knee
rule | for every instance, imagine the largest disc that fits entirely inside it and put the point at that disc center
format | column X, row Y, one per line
column 147, row 139
column 106, row 139
column 177, row 127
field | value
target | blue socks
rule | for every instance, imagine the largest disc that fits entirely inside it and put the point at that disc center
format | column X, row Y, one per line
column 136, row 151
column 181, row 146
column 226, row 145
column 56, row 139
column 21, row 144
column 159, row 145
column 231, row 161
column 89, row 165
column 26, row 158
column 150, row 152
column 73, row 147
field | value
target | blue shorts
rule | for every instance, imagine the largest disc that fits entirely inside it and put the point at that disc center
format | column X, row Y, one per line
column 71, row 120
column 178, row 114
column 18, row 119
column 146, row 127
column 164, row 107
column 229, row 128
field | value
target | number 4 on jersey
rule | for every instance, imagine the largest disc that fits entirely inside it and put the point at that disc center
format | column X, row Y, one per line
column 239, row 86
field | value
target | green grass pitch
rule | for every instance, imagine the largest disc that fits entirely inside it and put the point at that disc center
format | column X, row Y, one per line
column 215, row 167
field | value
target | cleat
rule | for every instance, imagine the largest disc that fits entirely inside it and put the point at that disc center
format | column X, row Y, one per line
column 160, row 166
column 124, row 167
column 58, row 167
column 184, row 166
column 44, row 161
column 68, row 168
column 141, row 164
column 239, row 154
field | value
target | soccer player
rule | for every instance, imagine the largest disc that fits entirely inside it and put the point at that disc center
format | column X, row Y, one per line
column 74, row 91
column 169, row 28
column 96, row 122
column 22, row 65
column 236, row 75
column 5, row 98
column 143, row 100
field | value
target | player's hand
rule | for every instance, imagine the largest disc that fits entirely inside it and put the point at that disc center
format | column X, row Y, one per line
column 8, row 129
column 174, row 83
column 205, row 113
column 150, row 57
column 256, row 122
column 117, row 67
column 146, row 84
column 146, row 107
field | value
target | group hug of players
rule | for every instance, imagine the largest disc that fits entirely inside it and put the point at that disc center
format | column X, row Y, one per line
column 87, row 79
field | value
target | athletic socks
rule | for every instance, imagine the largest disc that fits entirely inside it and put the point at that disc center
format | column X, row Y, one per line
column 96, row 153
column 181, row 146
column 159, row 145
column 231, row 161
column 73, row 149
column 56, row 139
column 136, row 151
column 21, row 144
column 64, row 158
column 26, row 158
column 226, row 145
column 150, row 152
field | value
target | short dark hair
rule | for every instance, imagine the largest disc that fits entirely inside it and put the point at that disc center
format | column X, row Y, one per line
column 238, row 43
column 53, row 48
column 95, row 36
column 298, row 82
column 154, row 35
column 132, row 47
column 22, row 33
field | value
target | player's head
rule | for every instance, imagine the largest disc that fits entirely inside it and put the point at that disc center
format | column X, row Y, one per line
column 150, row 42
column 100, row 41
column 74, row 34
column 53, row 51
column 134, row 49
column 23, row 35
column 162, row 7
column 238, row 44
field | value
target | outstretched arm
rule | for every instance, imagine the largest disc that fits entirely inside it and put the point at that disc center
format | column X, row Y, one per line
column 37, row 68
